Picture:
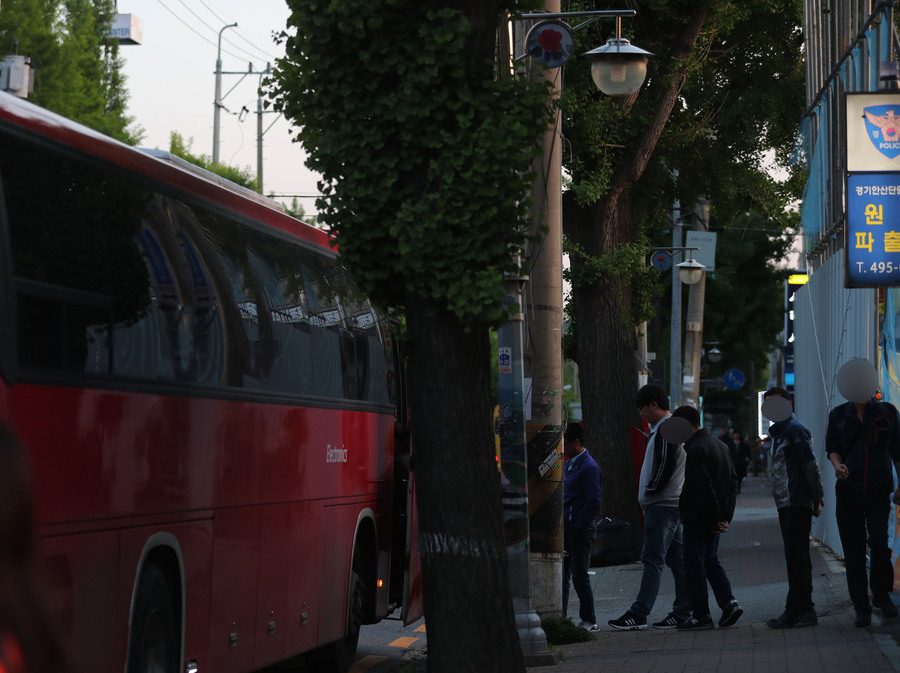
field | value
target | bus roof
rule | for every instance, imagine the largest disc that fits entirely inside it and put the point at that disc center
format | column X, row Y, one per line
column 156, row 165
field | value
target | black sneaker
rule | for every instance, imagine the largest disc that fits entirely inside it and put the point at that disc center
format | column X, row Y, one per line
column 731, row 614
column 862, row 619
column 694, row 624
column 783, row 621
column 629, row 622
column 670, row 622
column 887, row 607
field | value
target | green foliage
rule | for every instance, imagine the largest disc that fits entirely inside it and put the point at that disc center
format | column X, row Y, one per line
column 76, row 63
column 425, row 155
column 562, row 631
column 242, row 176
column 628, row 261
column 297, row 210
column 738, row 111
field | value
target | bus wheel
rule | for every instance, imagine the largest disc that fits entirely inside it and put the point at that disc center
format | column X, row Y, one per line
column 338, row 657
column 153, row 644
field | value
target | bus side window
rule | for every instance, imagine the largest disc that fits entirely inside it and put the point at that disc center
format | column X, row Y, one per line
column 322, row 290
column 76, row 265
column 370, row 365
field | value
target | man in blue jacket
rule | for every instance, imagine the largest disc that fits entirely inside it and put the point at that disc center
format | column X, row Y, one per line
column 863, row 445
column 797, row 489
column 581, row 507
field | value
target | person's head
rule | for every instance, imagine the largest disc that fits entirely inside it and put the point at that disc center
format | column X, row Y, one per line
column 736, row 436
column 573, row 442
column 689, row 414
column 652, row 402
column 775, row 391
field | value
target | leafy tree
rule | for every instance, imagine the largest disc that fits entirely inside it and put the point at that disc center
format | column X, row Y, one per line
column 241, row 176
column 297, row 210
column 719, row 93
column 425, row 154
column 742, row 315
column 76, row 63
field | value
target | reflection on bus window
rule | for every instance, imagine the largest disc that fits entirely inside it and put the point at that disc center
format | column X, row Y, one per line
column 114, row 280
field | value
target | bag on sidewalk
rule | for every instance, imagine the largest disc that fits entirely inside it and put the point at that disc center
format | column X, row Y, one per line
column 612, row 545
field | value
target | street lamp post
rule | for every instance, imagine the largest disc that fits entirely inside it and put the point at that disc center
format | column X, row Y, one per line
column 217, row 104
column 616, row 65
column 693, row 330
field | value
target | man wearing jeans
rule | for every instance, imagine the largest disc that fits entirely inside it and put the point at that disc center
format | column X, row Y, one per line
column 662, row 477
column 707, row 507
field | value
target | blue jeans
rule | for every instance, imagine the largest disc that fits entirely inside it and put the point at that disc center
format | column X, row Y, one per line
column 576, row 562
column 662, row 547
column 701, row 563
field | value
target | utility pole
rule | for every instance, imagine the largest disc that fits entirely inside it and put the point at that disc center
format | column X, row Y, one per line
column 693, row 330
column 675, row 323
column 544, row 367
column 217, row 104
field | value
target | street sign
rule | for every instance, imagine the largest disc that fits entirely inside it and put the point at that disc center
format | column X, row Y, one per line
column 662, row 261
column 734, row 379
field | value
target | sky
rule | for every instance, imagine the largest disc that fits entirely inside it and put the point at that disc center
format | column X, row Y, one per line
column 171, row 84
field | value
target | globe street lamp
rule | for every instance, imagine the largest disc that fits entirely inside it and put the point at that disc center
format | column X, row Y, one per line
column 690, row 272
column 618, row 68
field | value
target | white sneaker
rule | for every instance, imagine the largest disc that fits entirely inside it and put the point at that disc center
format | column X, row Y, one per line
column 587, row 626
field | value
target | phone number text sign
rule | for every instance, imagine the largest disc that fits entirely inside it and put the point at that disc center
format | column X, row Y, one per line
column 873, row 230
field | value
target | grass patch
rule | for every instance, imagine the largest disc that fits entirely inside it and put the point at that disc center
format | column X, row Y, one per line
column 561, row 631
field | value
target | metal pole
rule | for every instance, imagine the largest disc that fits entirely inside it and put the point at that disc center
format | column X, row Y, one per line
column 217, row 104
column 544, row 345
column 693, row 330
column 259, row 142
column 675, row 325
column 514, row 464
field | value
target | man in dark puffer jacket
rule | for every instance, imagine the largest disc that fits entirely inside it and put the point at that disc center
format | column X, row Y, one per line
column 862, row 441
column 797, row 489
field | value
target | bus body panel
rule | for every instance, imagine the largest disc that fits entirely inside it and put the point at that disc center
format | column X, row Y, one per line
column 251, row 486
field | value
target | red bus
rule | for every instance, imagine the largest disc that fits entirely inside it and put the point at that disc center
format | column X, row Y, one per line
column 209, row 408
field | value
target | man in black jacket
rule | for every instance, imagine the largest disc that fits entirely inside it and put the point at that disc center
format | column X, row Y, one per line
column 862, row 442
column 706, row 506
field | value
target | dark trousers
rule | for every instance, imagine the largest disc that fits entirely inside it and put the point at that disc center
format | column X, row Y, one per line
column 701, row 564
column 863, row 521
column 796, row 523
column 576, row 562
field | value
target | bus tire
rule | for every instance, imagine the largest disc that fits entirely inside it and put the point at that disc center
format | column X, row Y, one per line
column 339, row 656
column 153, row 643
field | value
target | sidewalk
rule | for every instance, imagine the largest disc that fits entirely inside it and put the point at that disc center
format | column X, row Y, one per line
column 752, row 555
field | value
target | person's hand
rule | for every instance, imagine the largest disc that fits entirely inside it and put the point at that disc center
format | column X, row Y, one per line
column 841, row 471
column 721, row 527
column 818, row 510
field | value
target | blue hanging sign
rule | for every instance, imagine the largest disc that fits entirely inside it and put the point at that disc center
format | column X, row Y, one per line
column 873, row 230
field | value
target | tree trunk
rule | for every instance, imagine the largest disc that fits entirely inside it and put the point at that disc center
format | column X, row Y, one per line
column 468, row 605
column 606, row 346
column 606, row 342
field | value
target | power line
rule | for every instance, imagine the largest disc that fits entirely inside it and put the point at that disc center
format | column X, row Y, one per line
column 195, row 31
column 268, row 56
column 225, row 39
